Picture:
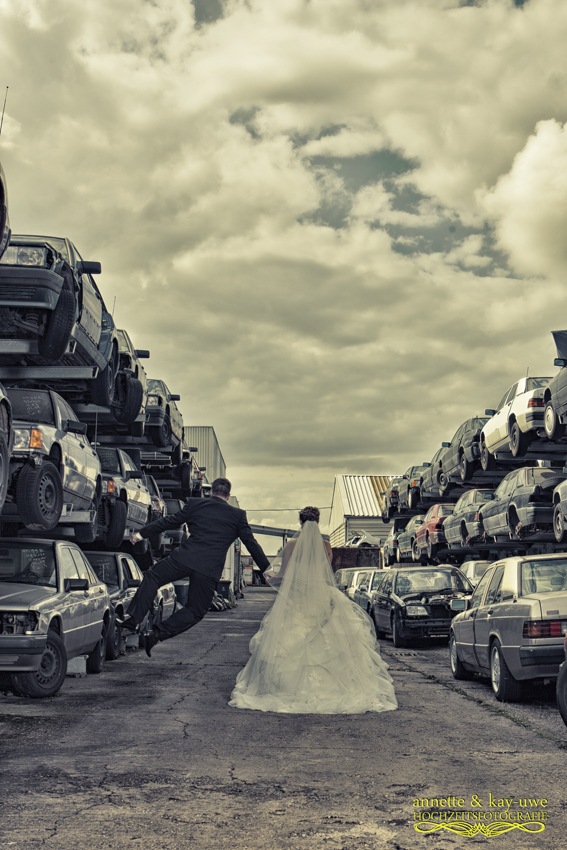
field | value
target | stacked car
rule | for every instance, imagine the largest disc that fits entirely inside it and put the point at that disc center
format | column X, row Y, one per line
column 84, row 433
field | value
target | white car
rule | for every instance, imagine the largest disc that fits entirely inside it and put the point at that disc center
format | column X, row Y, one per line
column 513, row 425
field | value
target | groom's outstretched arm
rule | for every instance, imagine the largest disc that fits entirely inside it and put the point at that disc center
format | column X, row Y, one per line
column 254, row 548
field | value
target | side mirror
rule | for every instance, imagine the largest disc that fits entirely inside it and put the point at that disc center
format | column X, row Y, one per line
column 70, row 584
column 426, row 464
column 445, row 445
column 130, row 474
column 74, row 427
column 174, row 398
column 86, row 267
column 142, row 354
column 458, row 605
column 560, row 361
column 133, row 582
column 489, row 412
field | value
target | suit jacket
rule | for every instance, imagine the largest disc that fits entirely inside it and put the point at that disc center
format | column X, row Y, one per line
column 213, row 525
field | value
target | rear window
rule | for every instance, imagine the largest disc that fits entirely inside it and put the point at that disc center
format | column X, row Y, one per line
column 32, row 406
column 536, row 383
column 543, row 576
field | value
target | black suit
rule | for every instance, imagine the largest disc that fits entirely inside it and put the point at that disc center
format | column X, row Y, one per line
column 213, row 525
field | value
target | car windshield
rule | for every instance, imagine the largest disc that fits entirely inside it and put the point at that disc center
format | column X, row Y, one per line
column 122, row 341
column 543, row 576
column 105, row 567
column 480, row 568
column 23, row 563
column 32, row 406
column 536, row 383
column 155, row 386
column 478, row 422
column 427, row 581
column 56, row 243
column 109, row 461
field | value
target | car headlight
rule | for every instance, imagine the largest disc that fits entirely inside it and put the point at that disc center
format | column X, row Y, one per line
column 21, row 439
column 109, row 486
column 25, row 255
column 153, row 401
column 17, row 623
column 416, row 611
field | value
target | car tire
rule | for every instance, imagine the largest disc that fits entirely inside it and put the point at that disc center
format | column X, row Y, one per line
column 561, row 692
column 457, row 669
column 46, row 681
column 161, row 434
column 431, row 548
column 554, row 429
column 4, row 454
column 487, row 459
column 113, row 641
column 102, row 388
column 519, row 441
column 87, row 532
column 53, row 344
column 466, row 468
column 413, row 499
column 504, row 686
column 443, row 482
column 39, row 496
column 97, row 655
column 129, row 397
column 559, row 523
column 415, row 552
column 117, row 525
column 397, row 639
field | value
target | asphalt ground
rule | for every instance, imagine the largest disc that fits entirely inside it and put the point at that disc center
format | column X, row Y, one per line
column 148, row 754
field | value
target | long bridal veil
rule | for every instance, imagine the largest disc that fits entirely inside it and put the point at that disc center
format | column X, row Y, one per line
column 315, row 651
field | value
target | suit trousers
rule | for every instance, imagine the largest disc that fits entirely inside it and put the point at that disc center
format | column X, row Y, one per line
column 201, row 592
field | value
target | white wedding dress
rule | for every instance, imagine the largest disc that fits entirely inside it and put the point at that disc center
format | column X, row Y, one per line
column 315, row 651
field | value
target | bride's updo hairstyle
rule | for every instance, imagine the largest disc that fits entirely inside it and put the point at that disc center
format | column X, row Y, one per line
column 309, row 514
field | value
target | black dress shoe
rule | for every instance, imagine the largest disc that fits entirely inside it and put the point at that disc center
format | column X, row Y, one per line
column 149, row 640
column 128, row 623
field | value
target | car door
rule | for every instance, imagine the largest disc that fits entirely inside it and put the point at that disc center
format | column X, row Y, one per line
column 504, row 415
column 495, row 426
column 494, row 512
column 138, row 496
column 485, row 616
column 382, row 606
column 130, row 571
column 74, row 605
column 451, row 460
column 95, row 599
column 463, row 627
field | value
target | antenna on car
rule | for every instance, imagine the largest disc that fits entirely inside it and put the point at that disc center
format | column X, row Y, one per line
column 528, row 372
column 3, row 109
column 113, row 307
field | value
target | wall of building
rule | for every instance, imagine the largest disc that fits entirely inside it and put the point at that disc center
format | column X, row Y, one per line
column 203, row 437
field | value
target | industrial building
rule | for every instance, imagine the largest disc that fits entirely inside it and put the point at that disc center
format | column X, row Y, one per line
column 357, row 506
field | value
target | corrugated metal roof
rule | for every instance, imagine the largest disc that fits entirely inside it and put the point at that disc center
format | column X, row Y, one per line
column 362, row 495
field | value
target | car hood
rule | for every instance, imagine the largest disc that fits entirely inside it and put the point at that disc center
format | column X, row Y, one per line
column 15, row 596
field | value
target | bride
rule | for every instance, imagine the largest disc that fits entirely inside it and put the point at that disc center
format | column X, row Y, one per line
column 315, row 651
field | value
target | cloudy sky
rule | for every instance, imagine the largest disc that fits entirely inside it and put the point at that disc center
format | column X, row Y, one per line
column 338, row 225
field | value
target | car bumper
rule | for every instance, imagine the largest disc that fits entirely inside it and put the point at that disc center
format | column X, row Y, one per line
column 532, row 419
column 424, row 628
column 154, row 415
column 537, row 661
column 29, row 287
column 21, row 653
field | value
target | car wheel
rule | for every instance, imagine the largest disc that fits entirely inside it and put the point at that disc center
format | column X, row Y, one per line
column 415, row 551
column 519, row 441
column 53, row 344
column 466, row 468
column 113, row 641
column 39, row 496
column 97, row 656
column 457, row 669
column 129, row 397
column 505, row 687
column 431, row 548
column 554, row 429
column 4, row 454
column 397, row 639
column 116, row 526
column 464, row 536
column 87, row 532
column 102, row 388
column 487, row 460
column 161, row 434
column 561, row 692
column 413, row 499
column 443, row 482
column 558, row 523
column 46, row 681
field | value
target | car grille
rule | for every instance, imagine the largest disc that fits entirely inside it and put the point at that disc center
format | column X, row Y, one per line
column 15, row 293
column 439, row 612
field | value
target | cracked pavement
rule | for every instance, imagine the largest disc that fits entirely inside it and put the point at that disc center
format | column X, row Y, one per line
column 148, row 754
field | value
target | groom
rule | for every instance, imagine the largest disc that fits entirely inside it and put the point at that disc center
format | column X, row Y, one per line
column 213, row 525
